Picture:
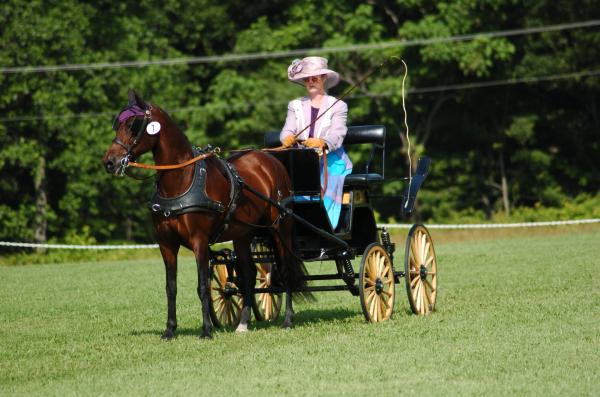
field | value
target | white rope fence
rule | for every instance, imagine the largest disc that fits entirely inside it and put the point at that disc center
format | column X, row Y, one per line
column 386, row 225
column 78, row 247
column 493, row 225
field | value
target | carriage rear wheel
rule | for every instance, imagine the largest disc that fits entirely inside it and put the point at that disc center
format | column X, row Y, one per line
column 266, row 305
column 376, row 284
column 226, row 302
column 420, row 268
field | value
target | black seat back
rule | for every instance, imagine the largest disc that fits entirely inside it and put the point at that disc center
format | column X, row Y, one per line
column 272, row 139
column 356, row 135
column 374, row 134
column 375, row 159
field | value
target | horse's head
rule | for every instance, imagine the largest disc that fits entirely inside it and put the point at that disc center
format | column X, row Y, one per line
column 137, row 129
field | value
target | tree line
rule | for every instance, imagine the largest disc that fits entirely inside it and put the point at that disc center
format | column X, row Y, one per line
column 529, row 140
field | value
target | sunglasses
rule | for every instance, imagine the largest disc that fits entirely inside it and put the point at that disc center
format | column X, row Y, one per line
column 310, row 79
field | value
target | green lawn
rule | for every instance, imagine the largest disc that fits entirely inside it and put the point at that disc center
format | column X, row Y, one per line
column 515, row 316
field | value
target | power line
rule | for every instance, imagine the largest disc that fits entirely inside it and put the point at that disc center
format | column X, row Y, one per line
column 423, row 90
column 299, row 52
column 493, row 83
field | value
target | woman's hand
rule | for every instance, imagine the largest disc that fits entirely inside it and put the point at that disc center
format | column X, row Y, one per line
column 314, row 143
column 289, row 140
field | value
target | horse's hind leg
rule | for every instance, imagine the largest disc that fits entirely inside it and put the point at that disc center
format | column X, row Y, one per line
column 289, row 310
column 247, row 272
column 169, row 254
column 283, row 257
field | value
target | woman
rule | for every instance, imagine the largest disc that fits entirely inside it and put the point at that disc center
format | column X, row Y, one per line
column 313, row 122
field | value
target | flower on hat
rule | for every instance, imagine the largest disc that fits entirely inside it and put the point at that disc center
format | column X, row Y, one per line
column 295, row 68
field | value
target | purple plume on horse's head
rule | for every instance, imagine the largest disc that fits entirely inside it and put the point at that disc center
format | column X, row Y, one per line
column 130, row 111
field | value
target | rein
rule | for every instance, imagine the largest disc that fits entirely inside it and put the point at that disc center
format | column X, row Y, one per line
column 171, row 166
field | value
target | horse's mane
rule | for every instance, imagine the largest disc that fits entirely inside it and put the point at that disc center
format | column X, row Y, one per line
column 172, row 122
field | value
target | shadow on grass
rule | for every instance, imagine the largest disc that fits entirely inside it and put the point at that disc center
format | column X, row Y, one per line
column 303, row 317
column 159, row 331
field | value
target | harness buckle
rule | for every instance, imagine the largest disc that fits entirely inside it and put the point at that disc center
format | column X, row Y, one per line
column 155, row 207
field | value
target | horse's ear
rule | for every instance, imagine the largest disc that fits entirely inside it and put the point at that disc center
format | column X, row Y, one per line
column 135, row 99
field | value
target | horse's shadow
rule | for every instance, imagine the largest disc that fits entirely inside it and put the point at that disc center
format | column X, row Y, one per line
column 301, row 319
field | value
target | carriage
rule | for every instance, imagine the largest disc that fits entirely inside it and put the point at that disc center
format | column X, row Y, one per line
column 356, row 235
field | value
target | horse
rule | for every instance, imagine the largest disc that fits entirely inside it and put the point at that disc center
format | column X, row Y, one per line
column 231, row 208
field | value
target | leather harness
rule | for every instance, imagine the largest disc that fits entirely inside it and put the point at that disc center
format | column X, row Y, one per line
column 195, row 199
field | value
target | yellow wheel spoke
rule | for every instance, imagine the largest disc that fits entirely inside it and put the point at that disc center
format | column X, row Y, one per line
column 430, row 286
column 423, row 242
column 370, row 297
column 414, row 282
column 429, row 260
column 372, row 308
column 418, row 297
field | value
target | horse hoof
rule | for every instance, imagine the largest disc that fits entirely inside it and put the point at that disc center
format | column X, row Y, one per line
column 205, row 336
column 167, row 335
column 241, row 328
column 287, row 325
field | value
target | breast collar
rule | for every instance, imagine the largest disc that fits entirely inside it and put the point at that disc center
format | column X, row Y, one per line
column 194, row 199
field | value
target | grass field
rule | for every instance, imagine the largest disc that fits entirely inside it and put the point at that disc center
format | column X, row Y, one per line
column 516, row 315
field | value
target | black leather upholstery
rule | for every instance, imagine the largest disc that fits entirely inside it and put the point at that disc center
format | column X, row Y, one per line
column 362, row 180
column 272, row 139
column 365, row 134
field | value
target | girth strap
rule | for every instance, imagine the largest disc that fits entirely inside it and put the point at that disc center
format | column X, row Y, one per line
column 236, row 184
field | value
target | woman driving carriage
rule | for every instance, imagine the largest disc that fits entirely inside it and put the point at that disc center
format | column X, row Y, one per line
column 325, row 130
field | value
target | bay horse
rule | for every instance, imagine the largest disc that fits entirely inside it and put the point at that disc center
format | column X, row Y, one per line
column 227, row 211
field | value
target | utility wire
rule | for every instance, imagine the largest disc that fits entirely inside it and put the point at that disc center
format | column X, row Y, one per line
column 299, row 52
column 423, row 90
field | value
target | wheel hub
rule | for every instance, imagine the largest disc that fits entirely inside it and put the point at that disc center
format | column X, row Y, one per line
column 423, row 272
column 378, row 286
column 229, row 290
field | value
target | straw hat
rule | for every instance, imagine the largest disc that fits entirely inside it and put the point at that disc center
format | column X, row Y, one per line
column 311, row 66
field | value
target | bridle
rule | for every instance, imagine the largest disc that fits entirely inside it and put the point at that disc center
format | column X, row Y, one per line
column 136, row 129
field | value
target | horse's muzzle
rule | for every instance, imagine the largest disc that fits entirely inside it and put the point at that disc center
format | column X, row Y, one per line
column 109, row 165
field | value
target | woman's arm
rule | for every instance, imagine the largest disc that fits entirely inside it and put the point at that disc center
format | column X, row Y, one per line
column 289, row 127
column 336, row 133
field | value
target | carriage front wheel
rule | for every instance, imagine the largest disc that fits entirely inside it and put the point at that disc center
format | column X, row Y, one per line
column 376, row 284
column 225, row 301
column 420, row 267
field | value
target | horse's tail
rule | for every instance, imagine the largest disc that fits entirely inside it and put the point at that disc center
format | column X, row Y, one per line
column 292, row 270
column 297, row 276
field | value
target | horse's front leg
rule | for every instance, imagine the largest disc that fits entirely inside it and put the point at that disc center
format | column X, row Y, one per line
column 201, row 253
column 169, row 254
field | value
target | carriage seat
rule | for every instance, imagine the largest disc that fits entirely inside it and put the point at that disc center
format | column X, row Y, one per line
column 363, row 180
column 362, row 175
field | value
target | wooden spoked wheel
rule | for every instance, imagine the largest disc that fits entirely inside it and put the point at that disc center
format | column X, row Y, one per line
column 267, row 305
column 420, row 268
column 226, row 305
column 376, row 284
